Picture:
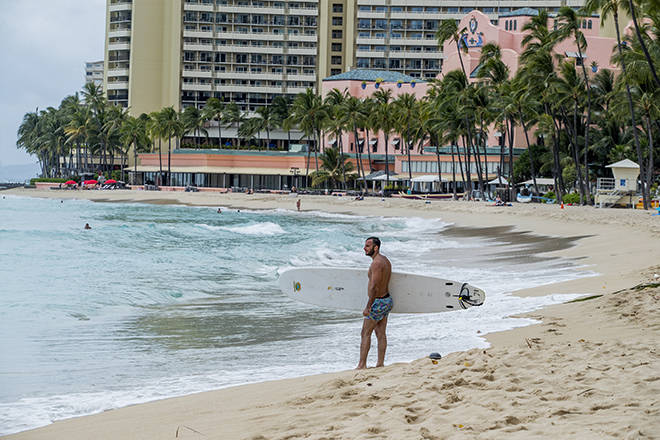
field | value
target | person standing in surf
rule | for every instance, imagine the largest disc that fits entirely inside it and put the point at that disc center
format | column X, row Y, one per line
column 379, row 303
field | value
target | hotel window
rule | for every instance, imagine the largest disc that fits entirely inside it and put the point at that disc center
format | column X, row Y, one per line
column 336, row 47
column 515, row 25
column 589, row 24
column 337, row 21
column 337, row 7
column 335, row 71
column 335, row 60
column 337, row 34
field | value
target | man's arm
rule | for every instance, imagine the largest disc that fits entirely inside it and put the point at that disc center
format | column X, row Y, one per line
column 377, row 273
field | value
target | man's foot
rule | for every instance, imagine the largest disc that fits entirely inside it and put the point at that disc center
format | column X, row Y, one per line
column 379, row 365
column 361, row 367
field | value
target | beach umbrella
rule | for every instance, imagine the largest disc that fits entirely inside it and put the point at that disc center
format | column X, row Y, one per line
column 111, row 181
column 90, row 182
column 70, row 182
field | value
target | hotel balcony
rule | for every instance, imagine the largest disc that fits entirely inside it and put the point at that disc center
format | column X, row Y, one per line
column 369, row 54
column 246, row 88
column 252, row 49
column 303, row 11
column 197, row 73
column 119, row 46
column 197, row 87
column 371, row 14
column 302, row 51
column 198, row 47
column 249, row 9
column 118, row 85
column 197, row 34
column 121, row 6
column 379, row 41
column 201, row 7
column 310, row 78
column 302, row 37
column 409, row 54
column 250, row 76
column 374, row 2
column 117, row 72
column 251, row 36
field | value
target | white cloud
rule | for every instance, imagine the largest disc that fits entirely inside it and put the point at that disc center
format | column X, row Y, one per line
column 44, row 45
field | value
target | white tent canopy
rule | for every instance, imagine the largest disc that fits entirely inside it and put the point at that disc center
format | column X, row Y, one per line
column 497, row 180
column 426, row 178
column 540, row 181
column 384, row 177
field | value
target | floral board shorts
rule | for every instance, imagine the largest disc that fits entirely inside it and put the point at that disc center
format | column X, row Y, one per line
column 380, row 308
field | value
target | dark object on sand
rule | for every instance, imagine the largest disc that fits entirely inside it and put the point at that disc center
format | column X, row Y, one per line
column 435, row 356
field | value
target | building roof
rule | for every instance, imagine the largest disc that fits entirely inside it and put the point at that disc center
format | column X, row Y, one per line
column 373, row 75
column 522, row 12
column 625, row 163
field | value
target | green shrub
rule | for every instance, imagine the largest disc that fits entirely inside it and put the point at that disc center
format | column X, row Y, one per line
column 550, row 195
column 48, row 179
column 571, row 198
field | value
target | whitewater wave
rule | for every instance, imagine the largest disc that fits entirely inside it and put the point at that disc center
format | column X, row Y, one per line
column 263, row 228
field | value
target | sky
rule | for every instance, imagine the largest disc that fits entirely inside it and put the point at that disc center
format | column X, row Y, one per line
column 44, row 45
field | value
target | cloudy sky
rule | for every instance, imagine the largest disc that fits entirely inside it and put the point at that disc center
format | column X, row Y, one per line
column 44, row 45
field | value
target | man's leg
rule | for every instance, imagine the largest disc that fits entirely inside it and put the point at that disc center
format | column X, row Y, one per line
column 382, row 340
column 368, row 326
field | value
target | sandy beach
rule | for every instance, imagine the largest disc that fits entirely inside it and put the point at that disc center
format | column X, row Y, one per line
column 590, row 369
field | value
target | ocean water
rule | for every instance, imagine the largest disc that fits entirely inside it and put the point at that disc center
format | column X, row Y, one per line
column 158, row 301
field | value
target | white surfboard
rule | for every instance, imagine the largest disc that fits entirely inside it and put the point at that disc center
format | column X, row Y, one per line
column 337, row 288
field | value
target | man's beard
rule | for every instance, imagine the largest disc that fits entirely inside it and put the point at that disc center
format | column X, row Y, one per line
column 370, row 253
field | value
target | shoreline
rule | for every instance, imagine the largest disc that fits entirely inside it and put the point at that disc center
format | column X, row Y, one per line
column 617, row 244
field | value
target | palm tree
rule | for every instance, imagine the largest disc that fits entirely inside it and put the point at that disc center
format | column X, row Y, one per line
column 134, row 133
column 335, row 124
column 606, row 8
column 568, row 23
column 282, row 108
column 333, row 168
column 632, row 10
column 353, row 115
column 405, row 107
column 214, row 111
column 268, row 120
column 193, row 121
column 232, row 115
column 168, row 120
column 309, row 113
column 448, row 30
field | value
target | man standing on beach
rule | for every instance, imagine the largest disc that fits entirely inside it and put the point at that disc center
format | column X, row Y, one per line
column 378, row 305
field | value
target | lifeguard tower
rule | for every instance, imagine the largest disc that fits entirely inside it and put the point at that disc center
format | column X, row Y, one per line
column 620, row 190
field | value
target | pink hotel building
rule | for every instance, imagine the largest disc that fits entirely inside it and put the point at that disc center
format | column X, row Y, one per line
column 279, row 170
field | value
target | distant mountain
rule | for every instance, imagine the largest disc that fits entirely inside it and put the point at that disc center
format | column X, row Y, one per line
column 18, row 173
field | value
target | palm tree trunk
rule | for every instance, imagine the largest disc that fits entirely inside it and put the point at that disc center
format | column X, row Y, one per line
column 529, row 153
column 341, row 158
column 453, row 171
column 363, row 183
column 510, row 128
column 631, row 107
column 649, row 167
column 366, row 143
column 576, row 159
column 316, row 149
column 160, row 162
column 387, row 160
column 586, row 127
column 460, row 166
column 409, row 160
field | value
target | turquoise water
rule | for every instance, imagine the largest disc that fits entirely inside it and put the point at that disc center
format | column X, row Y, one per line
column 158, row 301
